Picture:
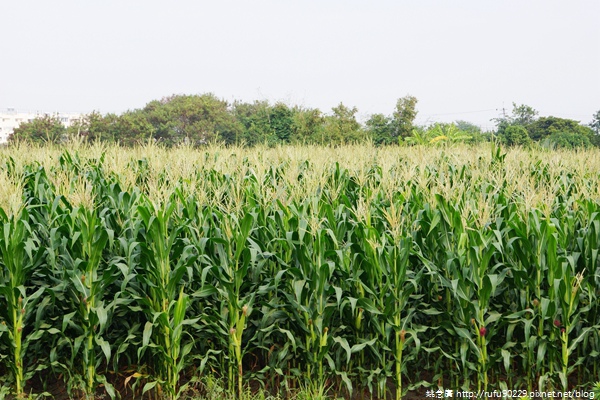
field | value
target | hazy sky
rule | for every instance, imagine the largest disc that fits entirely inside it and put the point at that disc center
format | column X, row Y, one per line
column 461, row 59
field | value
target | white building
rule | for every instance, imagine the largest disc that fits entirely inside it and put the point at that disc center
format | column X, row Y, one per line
column 11, row 119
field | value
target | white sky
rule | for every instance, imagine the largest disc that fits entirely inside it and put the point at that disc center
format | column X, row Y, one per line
column 458, row 58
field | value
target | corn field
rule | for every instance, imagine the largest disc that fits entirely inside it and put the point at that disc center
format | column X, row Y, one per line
column 353, row 272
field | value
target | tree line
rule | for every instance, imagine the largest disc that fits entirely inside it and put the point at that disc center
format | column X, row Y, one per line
column 201, row 119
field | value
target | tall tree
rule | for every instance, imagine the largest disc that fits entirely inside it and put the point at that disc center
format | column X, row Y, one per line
column 523, row 115
column 595, row 124
column 403, row 118
column 192, row 118
column 282, row 119
column 342, row 126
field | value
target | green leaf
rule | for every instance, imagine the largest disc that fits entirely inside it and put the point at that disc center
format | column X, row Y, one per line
column 149, row 386
column 104, row 346
column 368, row 306
column 102, row 316
column 344, row 343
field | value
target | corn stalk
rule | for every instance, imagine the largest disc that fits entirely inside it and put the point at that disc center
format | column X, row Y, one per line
column 20, row 255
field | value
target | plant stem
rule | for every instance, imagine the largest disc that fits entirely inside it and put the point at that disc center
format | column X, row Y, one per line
column 17, row 333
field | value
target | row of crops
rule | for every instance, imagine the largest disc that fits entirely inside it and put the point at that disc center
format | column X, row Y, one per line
column 349, row 272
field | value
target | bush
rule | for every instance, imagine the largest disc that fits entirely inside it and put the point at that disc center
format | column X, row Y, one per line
column 564, row 140
column 515, row 135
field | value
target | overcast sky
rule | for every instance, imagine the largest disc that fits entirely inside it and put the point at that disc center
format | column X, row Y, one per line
column 461, row 59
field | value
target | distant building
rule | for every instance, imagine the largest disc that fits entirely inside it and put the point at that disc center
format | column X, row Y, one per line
column 11, row 119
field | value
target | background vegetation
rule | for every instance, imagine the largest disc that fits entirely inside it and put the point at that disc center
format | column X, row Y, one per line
column 201, row 119
column 359, row 270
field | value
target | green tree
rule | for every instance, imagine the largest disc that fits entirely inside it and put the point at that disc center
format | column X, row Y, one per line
column 443, row 132
column 403, row 118
column 515, row 135
column 342, row 127
column 468, row 127
column 471, row 129
column 569, row 140
column 282, row 120
column 523, row 115
column 546, row 126
column 379, row 129
column 262, row 123
column 94, row 126
column 44, row 129
column 595, row 124
column 192, row 119
column 254, row 119
column 130, row 128
column 308, row 125
column 595, row 127
column 420, row 136
column 439, row 133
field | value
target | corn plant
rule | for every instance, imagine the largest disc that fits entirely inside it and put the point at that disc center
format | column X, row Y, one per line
column 20, row 255
column 235, row 254
column 388, row 260
column 589, row 247
column 439, row 241
column 568, row 298
column 518, row 250
column 312, row 296
column 159, row 291
column 323, row 272
column 88, row 277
